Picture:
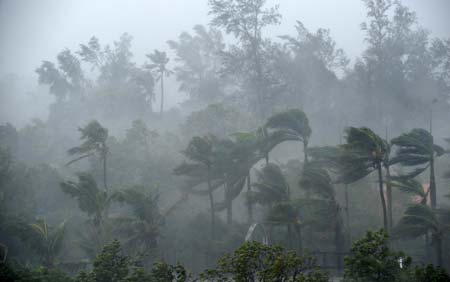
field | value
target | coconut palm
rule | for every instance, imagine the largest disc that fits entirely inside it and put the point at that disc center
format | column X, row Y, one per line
column 416, row 150
column 324, row 202
column 271, row 186
column 142, row 229
column 416, row 189
column 420, row 219
column 272, row 191
column 94, row 136
column 47, row 241
column 90, row 198
column 200, row 152
column 290, row 125
column 248, row 150
column 363, row 153
column 159, row 63
column 329, row 158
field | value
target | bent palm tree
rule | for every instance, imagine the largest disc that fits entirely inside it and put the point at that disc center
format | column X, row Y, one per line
column 94, row 136
column 200, row 152
column 416, row 150
column 90, row 198
column 290, row 125
column 418, row 220
column 326, row 206
column 272, row 191
column 364, row 153
column 142, row 229
column 159, row 67
column 48, row 241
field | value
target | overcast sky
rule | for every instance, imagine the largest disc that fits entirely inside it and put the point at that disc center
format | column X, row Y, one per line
column 35, row 30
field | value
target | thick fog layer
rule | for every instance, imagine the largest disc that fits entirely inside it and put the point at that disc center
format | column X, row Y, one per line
column 153, row 140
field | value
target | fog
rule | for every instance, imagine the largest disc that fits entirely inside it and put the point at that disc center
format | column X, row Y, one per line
column 182, row 129
column 32, row 31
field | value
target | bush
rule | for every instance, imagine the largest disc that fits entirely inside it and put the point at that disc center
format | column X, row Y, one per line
column 371, row 259
column 254, row 261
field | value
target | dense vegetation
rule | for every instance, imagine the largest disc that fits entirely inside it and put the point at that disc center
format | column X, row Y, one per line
column 255, row 154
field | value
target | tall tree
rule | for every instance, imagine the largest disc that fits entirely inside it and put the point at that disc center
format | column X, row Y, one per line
column 95, row 137
column 198, row 58
column 66, row 80
column 158, row 65
column 246, row 20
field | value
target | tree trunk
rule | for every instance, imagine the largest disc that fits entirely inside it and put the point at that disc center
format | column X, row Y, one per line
column 229, row 204
column 427, row 248
column 211, row 203
column 383, row 200
column 289, row 233
column 249, row 203
column 438, row 246
column 347, row 214
column 300, row 244
column 305, row 151
column 432, row 184
column 389, row 196
column 162, row 93
column 338, row 242
column 104, row 169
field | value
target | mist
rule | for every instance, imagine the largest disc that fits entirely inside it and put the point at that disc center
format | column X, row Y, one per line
column 170, row 133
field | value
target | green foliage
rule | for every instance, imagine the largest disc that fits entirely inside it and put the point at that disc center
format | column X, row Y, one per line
column 430, row 273
column 94, row 136
column 371, row 259
column 291, row 124
column 16, row 273
column 47, row 241
column 254, row 261
column 90, row 198
column 199, row 59
column 415, row 148
column 163, row 272
column 271, row 186
column 109, row 266
column 140, row 231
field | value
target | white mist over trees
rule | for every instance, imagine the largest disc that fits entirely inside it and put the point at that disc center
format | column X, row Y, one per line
column 155, row 159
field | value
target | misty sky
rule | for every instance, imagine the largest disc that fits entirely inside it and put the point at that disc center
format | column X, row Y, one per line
column 32, row 31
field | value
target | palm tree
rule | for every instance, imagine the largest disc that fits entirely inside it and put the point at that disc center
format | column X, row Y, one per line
column 273, row 191
column 94, row 136
column 325, row 204
column 420, row 219
column 271, row 186
column 416, row 150
column 248, row 150
column 415, row 188
column 330, row 158
column 47, row 241
column 200, row 153
column 363, row 153
column 159, row 67
column 90, row 198
column 142, row 229
column 290, row 125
